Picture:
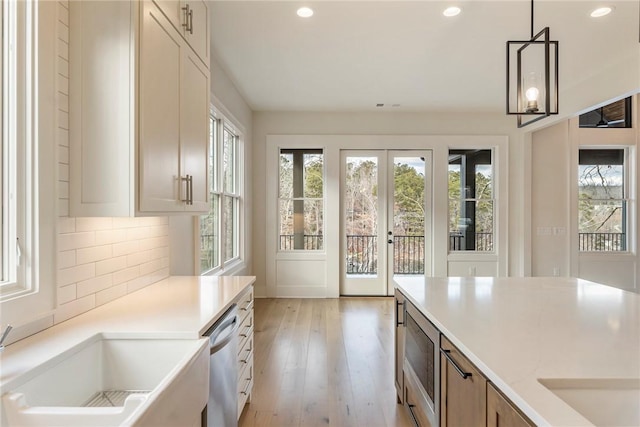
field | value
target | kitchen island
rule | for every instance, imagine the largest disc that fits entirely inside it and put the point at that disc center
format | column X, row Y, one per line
column 561, row 349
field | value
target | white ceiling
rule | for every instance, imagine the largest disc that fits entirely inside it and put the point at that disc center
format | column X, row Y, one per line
column 352, row 55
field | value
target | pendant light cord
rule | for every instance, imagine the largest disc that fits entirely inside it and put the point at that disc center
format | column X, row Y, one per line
column 531, row 19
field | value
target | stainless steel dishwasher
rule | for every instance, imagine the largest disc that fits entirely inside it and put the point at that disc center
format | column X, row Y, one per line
column 222, row 409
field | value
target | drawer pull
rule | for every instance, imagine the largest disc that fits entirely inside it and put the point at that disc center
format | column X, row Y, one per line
column 413, row 416
column 462, row 373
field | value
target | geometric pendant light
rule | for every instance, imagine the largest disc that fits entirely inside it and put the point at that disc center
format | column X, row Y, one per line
column 532, row 77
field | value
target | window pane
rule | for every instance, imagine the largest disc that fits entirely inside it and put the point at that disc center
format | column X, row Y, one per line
column 313, row 178
column 229, row 160
column 213, row 154
column 230, row 227
column 601, row 225
column 615, row 115
column 210, row 236
column 301, row 204
column 471, row 204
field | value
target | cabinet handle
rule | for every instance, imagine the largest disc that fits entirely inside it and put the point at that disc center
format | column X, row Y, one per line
column 398, row 304
column 413, row 416
column 462, row 373
column 188, row 18
column 188, row 179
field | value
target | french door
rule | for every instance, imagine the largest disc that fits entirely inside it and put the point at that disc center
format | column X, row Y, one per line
column 385, row 218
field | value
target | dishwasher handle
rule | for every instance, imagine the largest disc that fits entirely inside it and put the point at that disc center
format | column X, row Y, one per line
column 229, row 323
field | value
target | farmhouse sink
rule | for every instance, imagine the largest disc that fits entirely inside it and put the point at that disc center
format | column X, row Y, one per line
column 604, row 402
column 114, row 380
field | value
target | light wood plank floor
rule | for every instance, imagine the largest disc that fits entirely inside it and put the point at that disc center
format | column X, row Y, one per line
column 324, row 362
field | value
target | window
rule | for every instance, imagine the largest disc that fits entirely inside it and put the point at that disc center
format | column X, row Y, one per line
column 17, row 143
column 220, row 229
column 615, row 115
column 471, row 202
column 602, row 200
column 301, row 200
column 27, row 171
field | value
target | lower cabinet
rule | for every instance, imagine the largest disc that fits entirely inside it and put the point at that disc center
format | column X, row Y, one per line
column 245, row 349
column 399, row 345
column 500, row 411
column 463, row 389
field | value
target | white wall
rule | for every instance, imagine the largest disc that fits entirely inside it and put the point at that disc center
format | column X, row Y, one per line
column 554, row 225
column 296, row 123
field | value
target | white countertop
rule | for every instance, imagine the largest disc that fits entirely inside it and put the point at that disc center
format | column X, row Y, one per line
column 179, row 306
column 517, row 330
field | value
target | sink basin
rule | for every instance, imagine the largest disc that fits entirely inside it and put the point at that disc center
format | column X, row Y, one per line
column 113, row 380
column 604, row 402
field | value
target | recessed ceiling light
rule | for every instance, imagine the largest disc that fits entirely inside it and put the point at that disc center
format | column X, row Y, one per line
column 305, row 12
column 601, row 11
column 451, row 11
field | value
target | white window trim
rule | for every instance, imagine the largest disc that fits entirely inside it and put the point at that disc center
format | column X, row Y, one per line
column 37, row 297
column 236, row 264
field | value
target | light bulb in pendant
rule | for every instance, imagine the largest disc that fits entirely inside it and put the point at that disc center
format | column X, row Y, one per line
column 532, row 94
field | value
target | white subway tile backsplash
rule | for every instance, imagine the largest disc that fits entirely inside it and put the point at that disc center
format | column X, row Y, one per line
column 63, row 137
column 139, row 283
column 63, row 208
column 63, row 119
column 66, row 259
column 73, row 308
column 66, row 293
column 153, row 242
column 63, row 172
column 95, row 253
column 94, row 285
column 126, row 248
column 125, row 222
column 66, row 225
column 75, row 274
column 94, row 224
column 63, row 16
column 63, row 33
column 150, row 267
column 111, row 294
column 63, row 99
column 104, row 237
column 69, row 241
column 63, row 190
column 140, row 257
column 63, row 154
column 125, row 275
column 111, row 265
column 63, row 83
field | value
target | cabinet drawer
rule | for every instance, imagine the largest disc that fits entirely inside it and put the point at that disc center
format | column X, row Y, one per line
column 245, row 356
column 245, row 385
column 411, row 400
column 463, row 396
column 500, row 411
column 245, row 303
column 245, row 331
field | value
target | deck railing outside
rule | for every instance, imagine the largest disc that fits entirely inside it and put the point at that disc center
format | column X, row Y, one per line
column 608, row 242
column 483, row 242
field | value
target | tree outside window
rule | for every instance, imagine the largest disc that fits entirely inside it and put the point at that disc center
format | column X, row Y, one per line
column 301, row 202
column 602, row 204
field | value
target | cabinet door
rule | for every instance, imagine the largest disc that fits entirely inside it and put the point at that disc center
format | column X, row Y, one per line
column 194, row 135
column 399, row 344
column 197, row 30
column 159, row 113
column 500, row 412
column 171, row 9
column 463, row 398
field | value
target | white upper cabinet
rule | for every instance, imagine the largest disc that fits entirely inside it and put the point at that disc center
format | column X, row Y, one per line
column 139, row 113
column 191, row 19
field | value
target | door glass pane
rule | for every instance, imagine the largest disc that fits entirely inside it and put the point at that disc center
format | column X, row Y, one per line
column 408, row 215
column 361, row 215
